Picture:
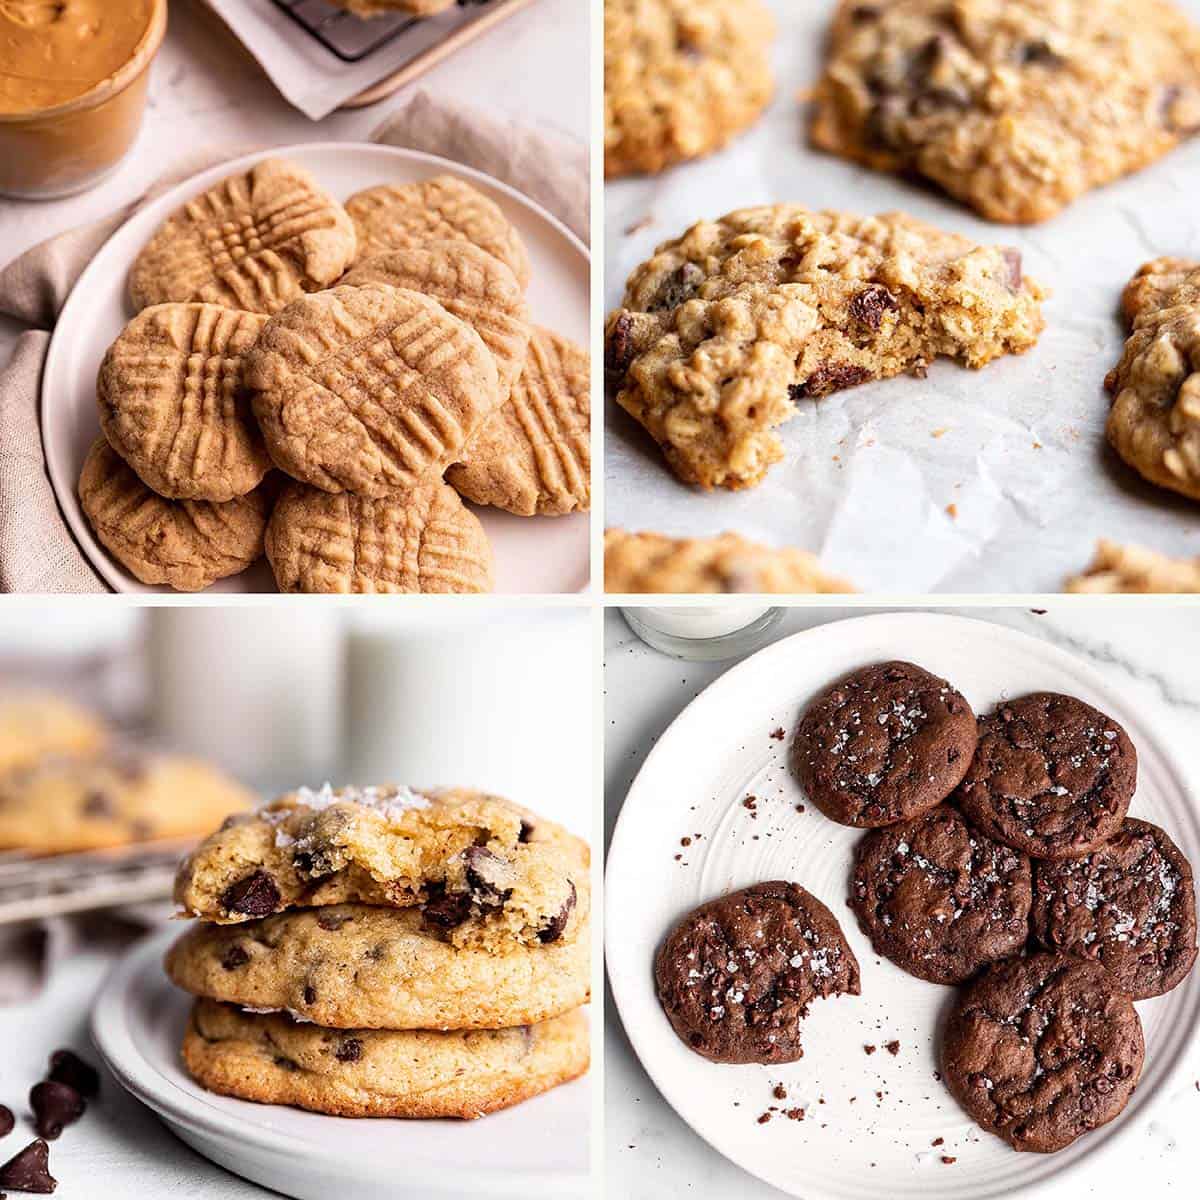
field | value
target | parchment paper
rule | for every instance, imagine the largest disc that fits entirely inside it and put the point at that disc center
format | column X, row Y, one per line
column 997, row 480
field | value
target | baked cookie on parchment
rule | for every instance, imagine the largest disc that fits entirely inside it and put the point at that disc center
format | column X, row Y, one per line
column 173, row 403
column 187, row 544
column 253, row 242
column 1134, row 570
column 271, row 1059
column 424, row 540
column 681, row 78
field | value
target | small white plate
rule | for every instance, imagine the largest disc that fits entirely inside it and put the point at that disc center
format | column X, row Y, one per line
column 137, row 1025
column 533, row 554
column 870, row 1120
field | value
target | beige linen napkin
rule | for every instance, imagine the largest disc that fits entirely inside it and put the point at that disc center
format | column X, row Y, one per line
column 37, row 552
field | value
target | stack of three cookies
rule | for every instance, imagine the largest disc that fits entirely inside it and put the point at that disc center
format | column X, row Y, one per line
column 381, row 952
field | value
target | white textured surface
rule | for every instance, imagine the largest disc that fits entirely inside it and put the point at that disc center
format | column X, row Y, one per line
column 865, row 481
column 650, row 1151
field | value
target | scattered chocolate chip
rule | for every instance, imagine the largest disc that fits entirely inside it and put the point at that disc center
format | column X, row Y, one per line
column 618, row 348
column 830, row 378
column 869, row 306
column 487, row 873
column 679, row 287
column 7, row 1120
column 98, row 804
column 330, row 921
column 255, row 896
column 29, row 1171
column 553, row 931
column 526, row 832
column 55, row 1106
column 446, row 910
column 67, row 1067
column 349, row 1051
column 235, row 956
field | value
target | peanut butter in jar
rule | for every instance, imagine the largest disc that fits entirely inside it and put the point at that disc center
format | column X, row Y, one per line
column 73, row 76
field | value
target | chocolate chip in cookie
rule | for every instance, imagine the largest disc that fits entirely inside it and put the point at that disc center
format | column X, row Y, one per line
column 256, row 895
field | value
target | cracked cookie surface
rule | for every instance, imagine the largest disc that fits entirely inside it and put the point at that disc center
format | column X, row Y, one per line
column 1052, row 776
column 725, row 330
column 483, row 871
column 736, row 975
column 886, row 743
column 1015, row 107
column 271, row 1059
column 1041, row 1050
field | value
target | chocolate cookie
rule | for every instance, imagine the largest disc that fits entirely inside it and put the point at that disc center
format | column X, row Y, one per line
column 737, row 974
column 939, row 898
column 886, row 743
column 1040, row 1050
column 1129, row 905
column 1052, row 776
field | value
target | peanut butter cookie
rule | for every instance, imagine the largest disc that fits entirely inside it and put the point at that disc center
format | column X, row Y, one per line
column 370, row 390
column 681, row 78
column 253, row 242
column 425, row 540
column 534, row 456
column 1133, row 570
column 398, row 216
column 173, row 404
column 1015, row 107
column 731, row 326
column 272, row 1059
column 651, row 562
column 188, row 544
column 1154, row 423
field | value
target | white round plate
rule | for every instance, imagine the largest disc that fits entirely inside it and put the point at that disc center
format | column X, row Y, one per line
column 870, row 1120
column 533, row 555
column 137, row 1025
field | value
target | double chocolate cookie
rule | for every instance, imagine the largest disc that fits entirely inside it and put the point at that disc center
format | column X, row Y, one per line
column 940, row 899
column 1129, row 905
column 886, row 743
column 1043, row 1049
column 736, row 975
column 1052, row 777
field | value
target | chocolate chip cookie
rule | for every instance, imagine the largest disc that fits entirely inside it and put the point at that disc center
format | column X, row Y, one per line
column 736, row 975
column 938, row 898
column 33, row 724
column 726, row 330
column 271, row 1059
column 1041, row 1050
column 483, row 871
column 888, row 742
column 1014, row 108
column 1129, row 905
column 1052, row 777
column 1134, row 570
column 355, row 966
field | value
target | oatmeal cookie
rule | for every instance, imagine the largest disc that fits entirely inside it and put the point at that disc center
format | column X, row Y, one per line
column 887, row 743
column 272, row 1059
column 652, row 562
column 354, row 966
column 1154, row 422
column 255, row 242
column 1134, row 570
column 736, row 975
column 681, row 78
column 938, row 898
column 534, row 457
column 422, row 541
column 173, row 403
column 399, row 216
column 724, row 331
column 1130, row 905
column 187, row 544
column 1041, row 1050
column 35, row 724
column 1015, row 107
column 482, row 870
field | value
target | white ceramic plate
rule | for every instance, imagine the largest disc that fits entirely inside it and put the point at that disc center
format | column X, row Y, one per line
column 137, row 1024
column 873, row 1134
column 533, row 554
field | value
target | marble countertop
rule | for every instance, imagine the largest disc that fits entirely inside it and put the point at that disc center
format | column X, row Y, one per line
column 650, row 1153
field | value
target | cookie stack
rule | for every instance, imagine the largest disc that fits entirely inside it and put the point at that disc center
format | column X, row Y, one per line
column 383, row 952
column 380, row 354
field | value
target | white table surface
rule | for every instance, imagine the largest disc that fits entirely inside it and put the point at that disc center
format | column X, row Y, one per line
column 650, row 1154
column 202, row 93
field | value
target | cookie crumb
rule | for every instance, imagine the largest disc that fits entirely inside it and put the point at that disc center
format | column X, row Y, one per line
column 938, row 1142
column 778, row 734
column 949, row 1159
column 685, row 841
column 779, row 1092
column 952, row 511
column 869, row 1049
column 795, row 1114
column 893, row 1048
column 764, row 1118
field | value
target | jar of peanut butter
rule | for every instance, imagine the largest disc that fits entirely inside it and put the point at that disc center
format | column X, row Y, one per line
column 73, row 76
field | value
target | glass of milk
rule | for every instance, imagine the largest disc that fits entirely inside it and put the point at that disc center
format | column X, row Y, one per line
column 704, row 633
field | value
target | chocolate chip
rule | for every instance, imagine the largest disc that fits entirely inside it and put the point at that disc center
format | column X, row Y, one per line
column 446, row 910
column 618, row 348
column 29, row 1171
column 678, row 288
column 7, row 1121
column 830, row 378
column 67, row 1067
column 310, row 994
column 526, row 832
column 98, row 804
column 349, row 1051
column 554, row 930
column 869, row 306
column 487, row 873
column 55, row 1106
column 254, row 896
column 286, row 1064
column 329, row 921
column 864, row 14
column 234, row 956
column 1039, row 53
